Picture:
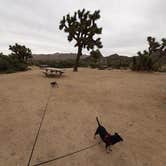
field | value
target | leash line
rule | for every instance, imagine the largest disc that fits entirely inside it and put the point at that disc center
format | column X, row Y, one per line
column 66, row 155
column 37, row 135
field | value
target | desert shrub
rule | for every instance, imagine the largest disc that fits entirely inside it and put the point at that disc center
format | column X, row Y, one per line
column 156, row 67
column 4, row 63
column 142, row 63
column 163, row 68
column 95, row 59
column 93, row 65
column 145, row 63
column 10, row 64
column 17, row 60
column 118, row 62
column 83, row 63
column 153, row 59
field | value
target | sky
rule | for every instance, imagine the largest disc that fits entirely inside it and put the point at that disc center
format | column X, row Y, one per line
column 126, row 24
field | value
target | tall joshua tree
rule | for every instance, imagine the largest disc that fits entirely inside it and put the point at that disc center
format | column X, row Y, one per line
column 82, row 28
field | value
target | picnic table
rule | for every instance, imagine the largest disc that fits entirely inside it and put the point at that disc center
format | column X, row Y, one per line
column 51, row 71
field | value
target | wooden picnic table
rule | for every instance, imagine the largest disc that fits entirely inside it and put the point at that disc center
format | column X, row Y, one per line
column 51, row 71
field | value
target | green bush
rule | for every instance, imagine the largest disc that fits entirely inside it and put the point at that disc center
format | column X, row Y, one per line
column 93, row 65
column 10, row 64
column 145, row 63
column 4, row 63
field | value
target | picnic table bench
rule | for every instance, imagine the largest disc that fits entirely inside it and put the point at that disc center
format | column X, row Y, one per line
column 50, row 71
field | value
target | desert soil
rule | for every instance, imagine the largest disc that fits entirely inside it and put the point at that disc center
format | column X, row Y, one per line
column 132, row 104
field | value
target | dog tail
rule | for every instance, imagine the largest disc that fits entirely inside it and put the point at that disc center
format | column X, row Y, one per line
column 98, row 121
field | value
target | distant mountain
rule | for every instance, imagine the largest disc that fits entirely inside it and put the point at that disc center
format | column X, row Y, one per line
column 56, row 56
column 115, row 56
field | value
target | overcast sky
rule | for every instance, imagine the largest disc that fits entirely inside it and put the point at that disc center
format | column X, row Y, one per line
column 125, row 23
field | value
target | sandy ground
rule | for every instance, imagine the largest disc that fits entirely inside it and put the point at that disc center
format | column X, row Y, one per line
column 132, row 104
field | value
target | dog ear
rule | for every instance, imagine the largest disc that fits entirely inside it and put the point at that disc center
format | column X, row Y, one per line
column 121, row 139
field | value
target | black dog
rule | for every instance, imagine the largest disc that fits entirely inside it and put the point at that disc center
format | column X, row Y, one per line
column 107, row 138
column 54, row 83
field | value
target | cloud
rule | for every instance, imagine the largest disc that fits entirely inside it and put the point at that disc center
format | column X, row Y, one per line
column 126, row 24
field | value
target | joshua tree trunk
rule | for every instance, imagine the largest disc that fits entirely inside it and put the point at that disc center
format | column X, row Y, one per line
column 77, row 59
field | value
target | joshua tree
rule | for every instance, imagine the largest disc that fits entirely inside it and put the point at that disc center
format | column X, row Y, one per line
column 153, row 45
column 21, row 52
column 150, row 60
column 163, row 47
column 82, row 27
column 96, row 55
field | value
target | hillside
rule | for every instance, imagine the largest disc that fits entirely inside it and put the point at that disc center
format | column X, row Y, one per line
column 117, row 61
column 56, row 56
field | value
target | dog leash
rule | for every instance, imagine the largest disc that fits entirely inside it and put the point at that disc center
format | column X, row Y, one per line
column 37, row 135
column 66, row 155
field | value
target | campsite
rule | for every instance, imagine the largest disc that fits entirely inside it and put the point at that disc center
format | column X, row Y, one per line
column 82, row 83
column 127, row 102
